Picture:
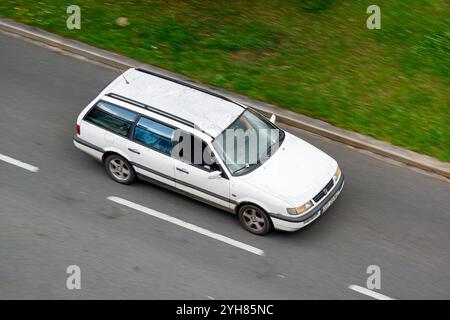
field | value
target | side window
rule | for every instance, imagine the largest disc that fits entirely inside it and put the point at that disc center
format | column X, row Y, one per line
column 193, row 151
column 154, row 135
column 208, row 162
column 111, row 117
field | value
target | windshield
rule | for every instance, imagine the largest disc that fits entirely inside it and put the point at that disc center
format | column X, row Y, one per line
column 248, row 142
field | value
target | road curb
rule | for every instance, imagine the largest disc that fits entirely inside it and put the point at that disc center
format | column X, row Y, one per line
column 318, row 127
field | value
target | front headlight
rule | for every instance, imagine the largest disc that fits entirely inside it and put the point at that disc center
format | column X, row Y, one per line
column 337, row 174
column 299, row 210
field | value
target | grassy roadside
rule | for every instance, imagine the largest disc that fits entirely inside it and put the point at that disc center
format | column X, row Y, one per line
column 315, row 57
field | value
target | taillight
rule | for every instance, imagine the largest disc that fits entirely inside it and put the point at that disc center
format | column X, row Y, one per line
column 78, row 129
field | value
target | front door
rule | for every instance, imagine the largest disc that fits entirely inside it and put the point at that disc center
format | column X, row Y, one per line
column 193, row 177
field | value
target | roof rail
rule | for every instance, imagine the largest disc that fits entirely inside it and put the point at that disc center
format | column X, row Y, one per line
column 190, row 85
column 150, row 108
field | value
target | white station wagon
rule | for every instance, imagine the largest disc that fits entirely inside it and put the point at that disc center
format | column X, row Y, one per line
column 186, row 138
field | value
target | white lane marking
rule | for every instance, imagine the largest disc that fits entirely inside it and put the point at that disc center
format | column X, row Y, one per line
column 18, row 163
column 187, row 225
column 369, row 293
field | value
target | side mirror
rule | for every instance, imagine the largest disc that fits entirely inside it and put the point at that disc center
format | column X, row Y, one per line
column 215, row 175
column 273, row 118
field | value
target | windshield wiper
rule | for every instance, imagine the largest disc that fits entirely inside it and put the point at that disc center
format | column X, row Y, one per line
column 248, row 166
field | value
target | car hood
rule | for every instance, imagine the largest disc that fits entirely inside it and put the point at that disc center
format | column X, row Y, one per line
column 295, row 173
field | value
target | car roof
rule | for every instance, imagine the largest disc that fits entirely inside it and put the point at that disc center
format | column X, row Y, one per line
column 208, row 111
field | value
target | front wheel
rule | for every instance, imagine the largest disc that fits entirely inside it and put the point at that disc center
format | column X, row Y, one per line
column 119, row 169
column 254, row 219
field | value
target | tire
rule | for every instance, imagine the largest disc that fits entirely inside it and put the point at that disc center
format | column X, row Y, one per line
column 254, row 219
column 119, row 169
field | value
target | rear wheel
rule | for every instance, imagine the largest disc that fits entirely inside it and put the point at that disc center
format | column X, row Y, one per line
column 119, row 169
column 254, row 219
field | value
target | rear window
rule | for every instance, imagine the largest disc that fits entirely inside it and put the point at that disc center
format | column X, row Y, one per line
column 112, row 117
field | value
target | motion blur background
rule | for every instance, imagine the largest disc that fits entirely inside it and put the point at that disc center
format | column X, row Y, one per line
column 316, row 57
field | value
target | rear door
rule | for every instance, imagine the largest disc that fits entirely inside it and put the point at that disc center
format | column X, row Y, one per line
column 150, row 150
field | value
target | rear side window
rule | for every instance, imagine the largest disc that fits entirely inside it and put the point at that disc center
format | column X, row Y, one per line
column 112, row 117
column 154, row 135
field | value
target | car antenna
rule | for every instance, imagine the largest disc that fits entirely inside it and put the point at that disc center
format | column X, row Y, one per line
column 126, row 81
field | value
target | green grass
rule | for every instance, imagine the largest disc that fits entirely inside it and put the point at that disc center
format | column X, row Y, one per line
column 315, row 57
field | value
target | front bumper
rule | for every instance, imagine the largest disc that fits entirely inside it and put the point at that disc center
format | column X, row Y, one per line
column 287, row 223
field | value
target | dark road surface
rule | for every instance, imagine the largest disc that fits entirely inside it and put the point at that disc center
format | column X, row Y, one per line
column 387, row 215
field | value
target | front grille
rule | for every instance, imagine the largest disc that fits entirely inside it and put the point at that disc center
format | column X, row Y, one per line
column 322, row 193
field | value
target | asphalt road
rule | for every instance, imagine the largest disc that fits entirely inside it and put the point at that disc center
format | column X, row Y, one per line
column 387, row 215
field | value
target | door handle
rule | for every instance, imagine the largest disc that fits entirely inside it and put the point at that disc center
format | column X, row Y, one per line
column 183, row 170
column 134, row 151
